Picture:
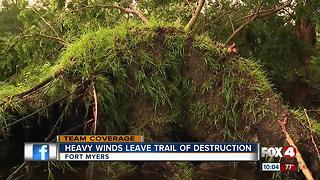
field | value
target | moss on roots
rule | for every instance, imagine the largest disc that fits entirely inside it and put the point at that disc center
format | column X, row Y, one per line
column 155, row 81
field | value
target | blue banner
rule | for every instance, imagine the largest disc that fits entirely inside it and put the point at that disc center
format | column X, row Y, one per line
column 145, row 147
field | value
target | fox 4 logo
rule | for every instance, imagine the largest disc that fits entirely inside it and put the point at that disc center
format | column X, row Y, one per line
column 287, row 151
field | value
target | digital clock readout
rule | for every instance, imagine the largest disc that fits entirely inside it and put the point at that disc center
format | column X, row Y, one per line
column 270, row 166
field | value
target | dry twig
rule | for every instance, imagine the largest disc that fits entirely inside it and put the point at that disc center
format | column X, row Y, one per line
column 303, row 166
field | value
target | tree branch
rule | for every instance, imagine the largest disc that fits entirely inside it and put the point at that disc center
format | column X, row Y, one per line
column 268, row 12
column 195, row 16
column 19, row 38
column 244, row 24
column 57, row 39
column 130, row 10
column 12, row 45
column 33, row 113
column 134, row 11
column 48, row 24
column 33, row 89
column 256, row 15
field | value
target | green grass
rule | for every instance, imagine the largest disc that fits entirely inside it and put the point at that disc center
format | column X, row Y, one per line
column 186, row 170
column 301, row 116
column 106, row 57
column 120, row 63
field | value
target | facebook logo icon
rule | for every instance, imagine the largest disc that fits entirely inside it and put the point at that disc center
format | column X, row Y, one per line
column 40, row 152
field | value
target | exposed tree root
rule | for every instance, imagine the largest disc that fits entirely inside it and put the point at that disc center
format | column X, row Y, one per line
column 24, row 165
column 95, row 110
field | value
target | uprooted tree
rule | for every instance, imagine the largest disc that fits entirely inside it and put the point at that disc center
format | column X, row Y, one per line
column 157, row 80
